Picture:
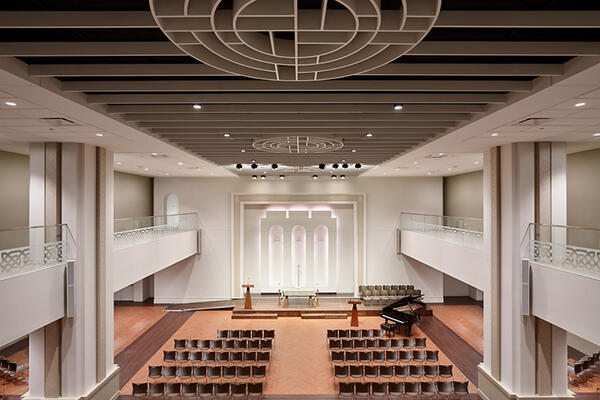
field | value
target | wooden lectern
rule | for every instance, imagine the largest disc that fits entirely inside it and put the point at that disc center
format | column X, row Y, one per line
column 248, row 304
column 354, row 319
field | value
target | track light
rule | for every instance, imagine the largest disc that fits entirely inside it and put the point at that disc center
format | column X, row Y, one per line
column 333, row 176
column 239, row 166
column 398, row 107
column 344, row 165
column 253, row 166
column 342, row 176
column 254, row 177
column 281, row 176
column 368, row 134
column 227, row 134
column 274, row 166
column 315, row 176
column 336, row 166
column 357, row 166
column 263, row 177
column 197, row 107
column 321, row 166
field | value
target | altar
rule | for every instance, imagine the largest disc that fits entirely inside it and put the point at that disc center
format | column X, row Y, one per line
column 286, row 293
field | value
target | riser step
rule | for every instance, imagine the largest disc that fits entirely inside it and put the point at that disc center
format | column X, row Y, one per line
column 324, row 316
column 253, row 316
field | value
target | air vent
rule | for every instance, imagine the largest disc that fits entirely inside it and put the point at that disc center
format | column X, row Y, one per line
column 437, row 155
column 59, row 121
column 532, row 122
column 160, row 156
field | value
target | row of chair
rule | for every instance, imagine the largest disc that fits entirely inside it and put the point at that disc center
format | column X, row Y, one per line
column 354, row 333
column 223, row 344
column 362, row 288
column 392, row 371
column 211, row 357
column 11, row 371
column 206, row 390
column 581, row 369
column 245, row 334
column 390, row 356
column 375, row 389
column 375, row 344
column 225, row 372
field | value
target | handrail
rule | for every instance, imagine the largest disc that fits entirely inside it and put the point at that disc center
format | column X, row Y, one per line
column 442, row 216
column 137, row 230
column 156, row 216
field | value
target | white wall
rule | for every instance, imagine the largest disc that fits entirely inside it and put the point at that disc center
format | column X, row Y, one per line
column 454, row 287
column 209, row 276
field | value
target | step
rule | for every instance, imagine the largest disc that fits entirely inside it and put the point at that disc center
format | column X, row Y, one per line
column 235, row 315
column 323, row 316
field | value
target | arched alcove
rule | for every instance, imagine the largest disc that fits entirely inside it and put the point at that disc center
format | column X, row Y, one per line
column 299, row 255
column 321, row 255
column 275, row 255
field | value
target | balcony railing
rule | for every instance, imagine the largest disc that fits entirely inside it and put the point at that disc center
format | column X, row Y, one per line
column 463, row 231
column 27, row 249
column 134, row 231
column 567, row 247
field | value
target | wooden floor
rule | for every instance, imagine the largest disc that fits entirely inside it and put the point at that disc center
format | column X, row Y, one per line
column 466, row 320
column 131, row 321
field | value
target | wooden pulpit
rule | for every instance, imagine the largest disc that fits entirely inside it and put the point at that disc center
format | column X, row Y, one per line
column 354, row 318
column 248, row 304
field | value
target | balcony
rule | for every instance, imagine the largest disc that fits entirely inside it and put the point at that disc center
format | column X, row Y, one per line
column 146, row 245
column 565, row 277
column 33, row 263
column 451, row 245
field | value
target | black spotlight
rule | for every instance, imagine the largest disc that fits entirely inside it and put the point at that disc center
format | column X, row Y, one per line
column 357, row 166
column 336, row 166
column 239, row 166
column 321, row 166
column 315, row 176
column 254, row 177
column 274, row 166
column 344, row 165
column 253, row 166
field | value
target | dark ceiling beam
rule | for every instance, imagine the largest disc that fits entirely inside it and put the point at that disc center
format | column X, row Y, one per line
column 225, row 118
column 76, row 19
column 186, row 132
column 293, row 125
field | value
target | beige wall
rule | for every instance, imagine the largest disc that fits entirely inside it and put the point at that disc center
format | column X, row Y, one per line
column 134, row 195
column 583, row 189
column 14, row 196
column 463, row 195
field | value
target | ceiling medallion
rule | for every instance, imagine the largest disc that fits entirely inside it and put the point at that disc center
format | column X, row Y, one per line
column 297, row 145
column 280, row 40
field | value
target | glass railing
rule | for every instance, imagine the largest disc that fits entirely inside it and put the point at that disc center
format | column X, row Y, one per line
column 463, row 231
column 137, row 230
column 27, row 249
column 567, row 247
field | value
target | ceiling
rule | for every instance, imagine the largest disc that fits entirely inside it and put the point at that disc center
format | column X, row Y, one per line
column 475, row 59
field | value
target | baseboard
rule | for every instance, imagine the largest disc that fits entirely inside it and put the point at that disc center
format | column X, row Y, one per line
column 180, row 300
column 433, row 299
column 490, row 389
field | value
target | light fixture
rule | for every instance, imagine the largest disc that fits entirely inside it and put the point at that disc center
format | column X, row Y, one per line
column 154, row 154
column 476, row 162
column 10, row 103
column 354, row 150
column 274, row 166
column 495, row 134
column 358, row 166
column 227, row 134
column 179, row 163
column 429, row 173
column 166, row 174
column 119, row 163
column 197, row 106
column 415, row 162
column 580, row 104
column 342, row 176
column 398, row 107
column 146, row 169
column 344, row 165
column 321, row 166
column 336, row 166
column 243, row 150
column 253, row 161
column 333, row 176
column 99, row 134
column 253, row 166
column 281, row 176
column 263, row 177
column 254, row 177
column 596, row 134
column 315, row 176
column 368, row 134
column 200, row 169
column 449, row 169
column 239, row 166
column 397, row 169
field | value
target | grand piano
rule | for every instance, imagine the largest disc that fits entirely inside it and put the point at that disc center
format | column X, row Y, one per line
column 401, row 313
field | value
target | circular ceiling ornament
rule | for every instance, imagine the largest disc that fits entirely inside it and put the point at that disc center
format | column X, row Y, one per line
column 280, row 40
column 297, row 145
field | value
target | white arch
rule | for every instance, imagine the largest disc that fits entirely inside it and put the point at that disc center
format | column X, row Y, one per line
column 299, row 255
column 321, row 255
column 275, row 255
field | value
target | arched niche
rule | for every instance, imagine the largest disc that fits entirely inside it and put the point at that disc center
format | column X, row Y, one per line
column 171, row 208
column 321, row 255
column 298, row 255
column 275, row 255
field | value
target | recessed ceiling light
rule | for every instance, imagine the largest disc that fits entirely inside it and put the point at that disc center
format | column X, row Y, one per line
column 596, row 134
column 476, row 162
column 385, row 173
column 449, row 169
column 197, row 106
column 119, row 163
column 99, row 134
column 198, row 169
column 368, row 134
column 342, row 176
column 254, row 177
column 397, row 169
column 179, row 163
column 495, row 134
column 166, row 174
column 226, row 134
column 146, row 169
column 243, row 150
column 281, row 176
column 263, row 177
column 398, row 107
column 315, row 176
column 354, row 150
column 429, row 173
column 333, row 176
column 10, row 103
column 211, row 174
column 581, row 104
column 415, row 162
column 154, row 154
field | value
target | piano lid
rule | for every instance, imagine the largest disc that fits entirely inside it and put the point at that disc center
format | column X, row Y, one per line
column 405, row 301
